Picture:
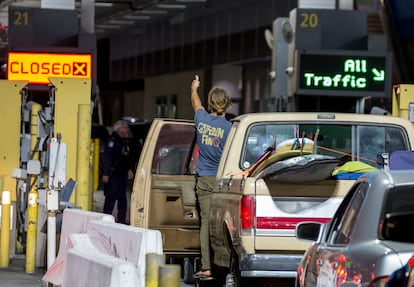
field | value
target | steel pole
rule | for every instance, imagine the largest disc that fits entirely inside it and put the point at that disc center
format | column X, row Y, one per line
column 51, row 238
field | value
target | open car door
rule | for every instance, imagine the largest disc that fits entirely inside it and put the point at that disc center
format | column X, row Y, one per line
column 163, row 196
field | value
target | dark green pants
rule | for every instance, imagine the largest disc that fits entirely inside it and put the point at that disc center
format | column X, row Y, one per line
column 204, row 188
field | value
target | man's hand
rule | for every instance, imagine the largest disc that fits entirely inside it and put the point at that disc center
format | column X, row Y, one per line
column 105, row 178
column 195, row 99
column 195, row 84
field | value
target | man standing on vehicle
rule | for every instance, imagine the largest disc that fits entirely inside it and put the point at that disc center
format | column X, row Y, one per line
column 212, row 130
column 117, row 169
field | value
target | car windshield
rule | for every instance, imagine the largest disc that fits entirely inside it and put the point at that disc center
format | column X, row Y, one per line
column 343, row 141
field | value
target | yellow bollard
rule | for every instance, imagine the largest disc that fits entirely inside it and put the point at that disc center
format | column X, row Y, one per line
column 169, row 275
column 5, row 229
column 96, row 151
column 83, row 152
column 152, row 263
column 32, row 205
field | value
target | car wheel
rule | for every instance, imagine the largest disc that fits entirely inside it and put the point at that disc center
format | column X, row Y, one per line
column 234, row 279
column 188, row 271
column 229, row 280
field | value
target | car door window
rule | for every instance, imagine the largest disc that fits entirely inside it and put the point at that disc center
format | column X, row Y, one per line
column 344, row 223
column 173, row 153
column 399, row 199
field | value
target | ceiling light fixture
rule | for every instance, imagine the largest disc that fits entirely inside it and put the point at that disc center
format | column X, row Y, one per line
column 153, row 12
column 120, row 22
column 191, row 1
column 107, row 26
column 171, row 6
column 103, row 4
column 137, row 17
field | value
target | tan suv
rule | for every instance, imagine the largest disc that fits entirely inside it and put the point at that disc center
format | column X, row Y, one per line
column 260, row 196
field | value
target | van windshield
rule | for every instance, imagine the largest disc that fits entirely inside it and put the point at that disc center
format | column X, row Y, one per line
column 346, row 142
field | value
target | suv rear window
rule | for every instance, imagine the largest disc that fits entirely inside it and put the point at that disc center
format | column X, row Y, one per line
column 343, row 141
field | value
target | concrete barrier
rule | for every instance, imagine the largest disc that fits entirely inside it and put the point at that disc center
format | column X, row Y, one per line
column 87, row 266
column 74, row 221
column 126, row 242
column 91, row 239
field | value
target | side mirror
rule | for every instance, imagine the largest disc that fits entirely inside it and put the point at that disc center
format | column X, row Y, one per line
column 380, row 160
column 396, row 227
column 309, row 231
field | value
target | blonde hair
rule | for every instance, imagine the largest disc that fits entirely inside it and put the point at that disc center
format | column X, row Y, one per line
column 218, row 100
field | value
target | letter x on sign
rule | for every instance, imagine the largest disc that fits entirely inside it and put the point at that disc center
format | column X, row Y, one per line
column 79, row 68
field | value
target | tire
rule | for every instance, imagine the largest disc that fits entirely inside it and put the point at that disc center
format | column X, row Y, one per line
column 229, row 280
column 188, row 271
column 234, row 278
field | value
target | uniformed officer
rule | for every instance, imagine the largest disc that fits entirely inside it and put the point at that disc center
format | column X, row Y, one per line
column 117, row 169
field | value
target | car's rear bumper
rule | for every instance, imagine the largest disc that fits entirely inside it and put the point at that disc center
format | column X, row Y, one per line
column 270, row 265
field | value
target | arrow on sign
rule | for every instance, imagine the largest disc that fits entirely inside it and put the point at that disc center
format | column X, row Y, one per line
column 378, row 75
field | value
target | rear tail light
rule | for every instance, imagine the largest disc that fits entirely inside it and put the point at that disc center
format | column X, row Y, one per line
column 341, row 270
column 247, row 212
